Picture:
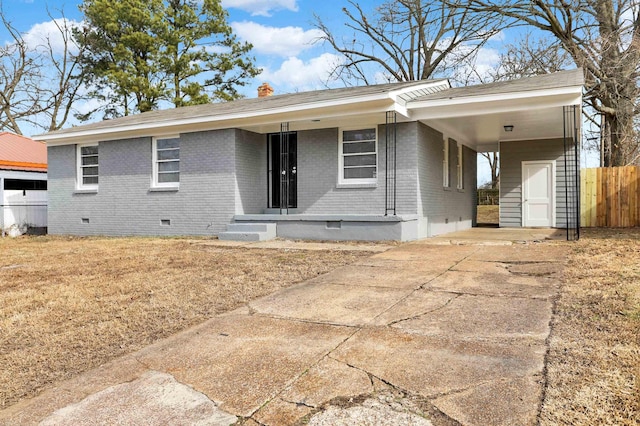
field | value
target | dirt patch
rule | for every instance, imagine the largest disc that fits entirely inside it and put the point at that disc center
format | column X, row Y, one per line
column 71, row 304
column 488, row 215
column 594, row 360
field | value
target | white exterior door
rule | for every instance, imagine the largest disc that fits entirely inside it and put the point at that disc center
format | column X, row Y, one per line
column 538, row 193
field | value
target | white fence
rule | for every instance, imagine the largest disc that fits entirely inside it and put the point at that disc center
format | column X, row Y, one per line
column 21, row 209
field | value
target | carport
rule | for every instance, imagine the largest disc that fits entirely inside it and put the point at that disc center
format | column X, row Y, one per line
column 534, row 125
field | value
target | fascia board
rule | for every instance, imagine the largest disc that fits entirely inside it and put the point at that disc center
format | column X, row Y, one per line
column 492, row 106
column 500, row 97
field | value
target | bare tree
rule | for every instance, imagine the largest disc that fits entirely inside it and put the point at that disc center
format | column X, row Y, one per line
column 603, row 37
column 405, row 40
column 529, row 57
column 492, row 159
column 67, row 86
column 19, row 78
column 40, row 83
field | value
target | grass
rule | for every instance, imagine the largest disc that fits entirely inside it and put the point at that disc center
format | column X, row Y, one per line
column 593, row 369
column 488, row 214
column 71, row 304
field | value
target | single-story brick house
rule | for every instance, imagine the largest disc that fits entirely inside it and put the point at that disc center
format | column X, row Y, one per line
column 23, row 184
column 391, row 161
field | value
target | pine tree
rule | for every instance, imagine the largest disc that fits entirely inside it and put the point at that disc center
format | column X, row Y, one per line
column 144, row 55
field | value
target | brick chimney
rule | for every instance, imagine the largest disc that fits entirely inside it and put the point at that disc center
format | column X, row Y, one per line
column 265, row 90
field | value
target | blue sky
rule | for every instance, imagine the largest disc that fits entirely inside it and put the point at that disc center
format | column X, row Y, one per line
column 281, row 31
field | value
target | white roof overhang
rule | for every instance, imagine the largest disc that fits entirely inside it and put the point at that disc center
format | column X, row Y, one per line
column 478, row 121
column 342, row 112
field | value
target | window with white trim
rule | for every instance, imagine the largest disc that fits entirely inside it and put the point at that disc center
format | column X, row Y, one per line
column 87, row 174
column 358, row 156
column 445, row 163
column 460, row 168
column 166, row 162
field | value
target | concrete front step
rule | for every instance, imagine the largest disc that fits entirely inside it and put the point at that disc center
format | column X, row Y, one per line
column 249, row 232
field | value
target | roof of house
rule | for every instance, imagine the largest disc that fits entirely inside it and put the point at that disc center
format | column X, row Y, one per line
column 415, row 100
column 551, row 81
column 252, row 106
column 22, row 153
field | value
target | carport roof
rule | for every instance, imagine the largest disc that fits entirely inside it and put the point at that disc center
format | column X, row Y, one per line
column 562, row 79
column 476, row 116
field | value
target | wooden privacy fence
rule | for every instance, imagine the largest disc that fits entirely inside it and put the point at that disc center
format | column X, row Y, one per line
column 610, row 196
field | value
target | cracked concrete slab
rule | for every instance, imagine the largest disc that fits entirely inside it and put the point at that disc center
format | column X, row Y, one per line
column 419, row 267
column 495, row 284
column 280, row 412
column 417, row 303
column 382, row 409
column 484, row 317
column 544, row 269
column 482, row 267
column 330, row 303
column 523, row 253
column 377, row 276
column 444, row 256
column 500, row 403
column 154, row 398
column 431, row 366
column 328, row 380
column 244, row 361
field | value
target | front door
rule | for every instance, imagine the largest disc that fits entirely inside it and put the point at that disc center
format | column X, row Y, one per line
column 538, row 193
column 283, row 170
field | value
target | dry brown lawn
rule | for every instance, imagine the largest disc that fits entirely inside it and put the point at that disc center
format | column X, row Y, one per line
column 488, row 214
column 71, row 304
column 593, row 365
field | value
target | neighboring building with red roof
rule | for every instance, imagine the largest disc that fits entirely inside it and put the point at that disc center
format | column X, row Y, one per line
column 21, row 153
column 23, row 184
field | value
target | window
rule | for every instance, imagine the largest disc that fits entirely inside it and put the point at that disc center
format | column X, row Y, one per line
column 166, row 162
column 88, row 167
column 25, row 185
column 445, row 163
column 460, row 169
column 358, row 156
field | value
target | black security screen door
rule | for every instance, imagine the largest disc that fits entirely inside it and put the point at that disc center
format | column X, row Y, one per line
column 283, row 170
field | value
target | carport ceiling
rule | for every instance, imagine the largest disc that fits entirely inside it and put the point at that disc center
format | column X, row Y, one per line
column 483, row 132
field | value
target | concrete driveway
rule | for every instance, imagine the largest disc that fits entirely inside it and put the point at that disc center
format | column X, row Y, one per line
column 424, row 333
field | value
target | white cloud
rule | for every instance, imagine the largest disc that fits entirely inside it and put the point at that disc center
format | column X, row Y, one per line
column 296, row 74
column 51, row 33
column 261, row 7
column 284, row 41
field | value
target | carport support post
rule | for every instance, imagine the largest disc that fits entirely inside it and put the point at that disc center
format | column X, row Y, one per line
column 571, row 171
column 390, row 164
